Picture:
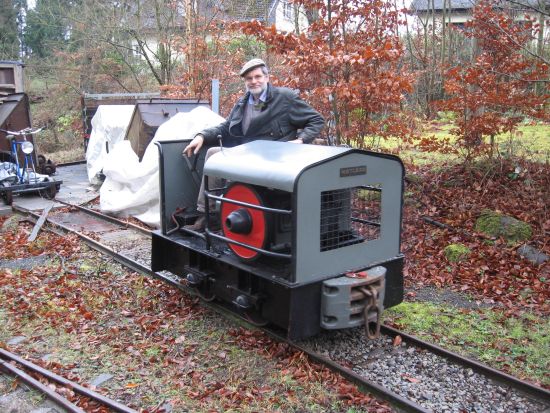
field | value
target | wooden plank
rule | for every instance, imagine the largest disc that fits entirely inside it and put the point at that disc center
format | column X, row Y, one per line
column 40, row 222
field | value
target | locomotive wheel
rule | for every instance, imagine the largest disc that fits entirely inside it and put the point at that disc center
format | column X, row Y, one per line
column 48, row 193
column 48, row 170
column 254, row 318
column 6, row 157
column 243, row 224
column 205, row 297
column 8, row 197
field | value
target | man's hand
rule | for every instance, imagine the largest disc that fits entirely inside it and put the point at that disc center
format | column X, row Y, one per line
column 194, row 146
column 299, row 140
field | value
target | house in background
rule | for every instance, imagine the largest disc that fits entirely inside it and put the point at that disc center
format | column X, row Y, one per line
column 280, row 13
column 453, row 12
column 159, row 29
column 458, row 12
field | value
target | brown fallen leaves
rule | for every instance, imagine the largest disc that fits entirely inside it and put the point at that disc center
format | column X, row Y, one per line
column 493, row 271
column 297, row 365
column 137, row 327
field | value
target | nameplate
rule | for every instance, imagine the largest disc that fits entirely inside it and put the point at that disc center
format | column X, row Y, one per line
column 353, row 171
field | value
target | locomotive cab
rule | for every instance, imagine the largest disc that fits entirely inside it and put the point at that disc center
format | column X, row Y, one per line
column 309, row 236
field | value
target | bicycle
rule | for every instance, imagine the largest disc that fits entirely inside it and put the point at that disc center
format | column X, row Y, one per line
column 19, row 176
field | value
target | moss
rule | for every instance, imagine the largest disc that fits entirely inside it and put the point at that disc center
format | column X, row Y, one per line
column 517, row 343
column 11, row 224
column 369, row 195
column 456, row 252
column 499, row 225
column 413, row 178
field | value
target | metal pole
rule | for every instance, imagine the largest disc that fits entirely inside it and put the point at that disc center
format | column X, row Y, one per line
column 216, row 96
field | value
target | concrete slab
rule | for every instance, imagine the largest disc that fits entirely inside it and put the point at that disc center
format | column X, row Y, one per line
column 75, row 189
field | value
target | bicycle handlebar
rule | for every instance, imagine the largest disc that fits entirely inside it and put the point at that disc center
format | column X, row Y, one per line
column 22, row 132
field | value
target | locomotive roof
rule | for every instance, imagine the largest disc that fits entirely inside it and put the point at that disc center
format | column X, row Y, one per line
column 271, row 164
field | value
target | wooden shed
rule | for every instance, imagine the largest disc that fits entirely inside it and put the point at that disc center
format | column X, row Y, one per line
column 91, row 101
column 14, row 116
column 11, row 77
column 150, row 114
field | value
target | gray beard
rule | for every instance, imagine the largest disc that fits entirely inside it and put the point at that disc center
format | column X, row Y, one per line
column 256, row 93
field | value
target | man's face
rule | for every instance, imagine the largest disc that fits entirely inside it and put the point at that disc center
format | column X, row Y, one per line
column 255, row 81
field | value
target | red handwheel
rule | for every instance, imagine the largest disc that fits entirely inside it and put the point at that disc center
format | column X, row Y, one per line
column 244, row 224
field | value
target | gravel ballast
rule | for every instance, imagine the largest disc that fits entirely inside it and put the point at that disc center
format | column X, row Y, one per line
column 423, row 377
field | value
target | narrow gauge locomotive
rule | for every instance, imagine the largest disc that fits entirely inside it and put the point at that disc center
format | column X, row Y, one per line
column 307, row 237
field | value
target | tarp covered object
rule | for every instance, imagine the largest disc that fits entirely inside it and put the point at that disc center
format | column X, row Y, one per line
column 131, row 187
column 109, row 126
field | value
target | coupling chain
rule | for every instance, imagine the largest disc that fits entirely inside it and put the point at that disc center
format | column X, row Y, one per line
column 371, row 293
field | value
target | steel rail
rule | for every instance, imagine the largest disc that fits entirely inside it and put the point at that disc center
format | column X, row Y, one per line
column 61, row 165
column 497, row 375
column 114, row 405
column 374, row 388
column 105, row 217
column 128, row 262
column 52, row 395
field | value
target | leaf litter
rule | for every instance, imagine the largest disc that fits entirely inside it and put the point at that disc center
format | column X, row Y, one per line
column 91, row 316
column 87, row 316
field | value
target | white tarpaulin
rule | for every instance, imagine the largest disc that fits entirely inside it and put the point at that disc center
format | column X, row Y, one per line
column 109, row 126
column 131, row 187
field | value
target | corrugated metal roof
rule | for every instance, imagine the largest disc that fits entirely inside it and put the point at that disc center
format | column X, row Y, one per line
column 156, row 112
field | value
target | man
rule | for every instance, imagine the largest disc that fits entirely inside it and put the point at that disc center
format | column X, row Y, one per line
column 265, row 112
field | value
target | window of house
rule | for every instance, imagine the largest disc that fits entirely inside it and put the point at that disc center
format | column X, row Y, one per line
column 288, row 10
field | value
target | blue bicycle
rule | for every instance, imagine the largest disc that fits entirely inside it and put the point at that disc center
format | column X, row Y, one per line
column 18, row 172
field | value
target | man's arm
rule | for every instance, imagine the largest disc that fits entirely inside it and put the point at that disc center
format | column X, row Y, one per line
column 208, row 136
column 194, row 146
column 304, row 117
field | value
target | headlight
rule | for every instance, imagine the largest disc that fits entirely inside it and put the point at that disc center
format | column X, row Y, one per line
column 27, row 147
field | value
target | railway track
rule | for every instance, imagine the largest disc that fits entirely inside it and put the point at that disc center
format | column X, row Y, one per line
column 6, row 357
column 413, row 376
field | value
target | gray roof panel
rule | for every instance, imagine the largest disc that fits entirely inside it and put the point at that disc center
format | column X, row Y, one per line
column 268, row 163
column 437, row 5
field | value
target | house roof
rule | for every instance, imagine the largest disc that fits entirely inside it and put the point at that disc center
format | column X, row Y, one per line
column 243, row 10
column 232, row 10
column 425, row 5
column 437, row 5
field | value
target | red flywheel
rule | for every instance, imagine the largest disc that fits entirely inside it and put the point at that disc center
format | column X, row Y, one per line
column 244, row 224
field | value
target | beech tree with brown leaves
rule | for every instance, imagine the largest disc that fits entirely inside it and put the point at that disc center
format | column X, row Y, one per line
column 495, row 91
column 347, row 64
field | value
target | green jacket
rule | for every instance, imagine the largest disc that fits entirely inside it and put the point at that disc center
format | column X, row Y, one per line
column 284, row 117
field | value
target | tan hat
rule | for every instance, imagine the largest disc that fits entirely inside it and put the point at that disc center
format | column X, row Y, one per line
column 251, row 64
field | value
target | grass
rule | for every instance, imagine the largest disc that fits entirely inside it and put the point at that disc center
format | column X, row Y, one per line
column 531, row 141
column 516, row 344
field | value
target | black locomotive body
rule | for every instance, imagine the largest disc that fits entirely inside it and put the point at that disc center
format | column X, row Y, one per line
column 303, row 237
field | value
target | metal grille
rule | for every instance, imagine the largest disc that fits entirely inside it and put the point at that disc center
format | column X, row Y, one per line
column 350, row 216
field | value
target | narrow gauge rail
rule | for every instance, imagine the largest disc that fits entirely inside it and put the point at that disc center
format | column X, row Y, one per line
column 524, row 389
column 6, row 357
column 60, row 165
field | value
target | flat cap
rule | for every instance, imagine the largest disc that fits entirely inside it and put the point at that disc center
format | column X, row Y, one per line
column 251, row 64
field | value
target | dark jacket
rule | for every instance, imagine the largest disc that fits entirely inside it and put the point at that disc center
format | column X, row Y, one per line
column 283, row 114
